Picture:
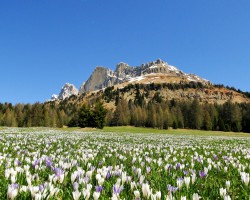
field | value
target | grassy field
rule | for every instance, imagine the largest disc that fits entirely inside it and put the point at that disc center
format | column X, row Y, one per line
column 76, row 163
column 131, row 129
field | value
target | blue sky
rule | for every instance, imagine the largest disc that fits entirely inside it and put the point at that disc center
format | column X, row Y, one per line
column 46, row 43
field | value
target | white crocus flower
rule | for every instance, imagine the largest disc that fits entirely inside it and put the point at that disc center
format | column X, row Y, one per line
column 179, row 182
column 227, row 197
column 23, row 188
column 132, row 185
column 137, row 194
column 193, row 178
column 141, row 179
column 196, row 196
column 96, row 195
column 245, row 178
column 86, row 193
column 146, row 190
column 228, row 184
column 187, row 181
column 76, row 195
column 114, row 197
column 89, row 174
column 13, row 179
column 124, row 177
column 34, row 190
column 73, row 177
column 7, row 174
column 38, row 196
column 223, row 192
column 158, row 195
column 12, row 191
column 101, row 181
column 98, row 176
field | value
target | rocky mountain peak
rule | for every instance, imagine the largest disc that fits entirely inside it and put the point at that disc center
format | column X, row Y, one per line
column 103, row 77
column 159, row 61
column 120, row 67
column 67, row 90
column 122, row 70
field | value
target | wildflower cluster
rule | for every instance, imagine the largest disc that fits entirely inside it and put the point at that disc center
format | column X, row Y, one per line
column 49, row 164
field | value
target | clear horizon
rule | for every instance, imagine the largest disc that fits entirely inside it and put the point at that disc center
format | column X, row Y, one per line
column 45, row 44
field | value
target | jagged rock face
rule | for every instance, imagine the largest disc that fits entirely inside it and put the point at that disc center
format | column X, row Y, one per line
column 123, row 70
column 67, row 90
column 103, row 77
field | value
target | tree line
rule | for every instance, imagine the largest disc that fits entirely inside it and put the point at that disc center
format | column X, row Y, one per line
column 181, row 114
column 140, row 111
column 53, row 114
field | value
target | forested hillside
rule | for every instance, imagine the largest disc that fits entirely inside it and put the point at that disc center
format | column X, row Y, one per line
column 136, row 105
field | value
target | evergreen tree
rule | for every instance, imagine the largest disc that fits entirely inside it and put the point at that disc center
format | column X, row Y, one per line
column 167, row 119
column 177, row 117
column 246, row 119
column 236, row 118
column 37, row 115
column 232, row 117
column 7, row 118
column 159, row 118
column 207, row 122
column 122, row 114
column 84, row 116
column 196, row 117
column 46, row 117
column 151, row 116
column 98, row 115
column 59, row 119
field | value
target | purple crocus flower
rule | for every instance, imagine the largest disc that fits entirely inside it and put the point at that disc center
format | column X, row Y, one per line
column 48, row 162
column 172, row 188
column 215, row 157
column 185, row 173
column 178, row 165
column 58, row 171
column 98, row 188
column 117, row 173
column 15, row 185
column 75, row 186
column 36, row 176
column 108, row 175
column 117, row 189
column 41, row 187
column 86, row 179
column 202, row 174
column 35, row 163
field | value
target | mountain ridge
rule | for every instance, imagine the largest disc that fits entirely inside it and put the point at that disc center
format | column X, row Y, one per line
column 103, row 77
